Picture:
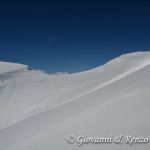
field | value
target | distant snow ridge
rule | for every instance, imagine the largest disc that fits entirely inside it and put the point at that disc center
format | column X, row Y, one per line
column 60, row 73
column 39, row 109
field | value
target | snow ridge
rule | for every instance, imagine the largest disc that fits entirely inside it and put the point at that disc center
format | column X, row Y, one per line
column 35, row 106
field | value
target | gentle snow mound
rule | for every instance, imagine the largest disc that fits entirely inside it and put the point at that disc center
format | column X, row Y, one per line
column 38, row 111
column 8, row 67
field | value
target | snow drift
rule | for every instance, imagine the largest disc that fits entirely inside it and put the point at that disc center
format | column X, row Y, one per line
column 38, row 111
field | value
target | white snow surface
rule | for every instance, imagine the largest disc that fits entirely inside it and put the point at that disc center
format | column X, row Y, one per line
column 38, row 110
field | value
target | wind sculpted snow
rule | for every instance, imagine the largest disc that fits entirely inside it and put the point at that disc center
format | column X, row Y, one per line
column 40, row 110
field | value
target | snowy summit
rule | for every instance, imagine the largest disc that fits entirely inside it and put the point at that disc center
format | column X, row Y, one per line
column 38, row 111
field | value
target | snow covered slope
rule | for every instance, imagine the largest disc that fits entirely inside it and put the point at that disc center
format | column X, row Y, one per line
column 38, row 111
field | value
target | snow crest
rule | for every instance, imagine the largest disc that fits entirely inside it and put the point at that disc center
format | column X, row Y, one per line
column 111, row 99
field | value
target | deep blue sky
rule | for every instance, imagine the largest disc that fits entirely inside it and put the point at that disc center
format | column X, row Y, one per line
column 72, row 36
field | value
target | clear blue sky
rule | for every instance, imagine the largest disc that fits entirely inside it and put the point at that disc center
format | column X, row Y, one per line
column 74, row 35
